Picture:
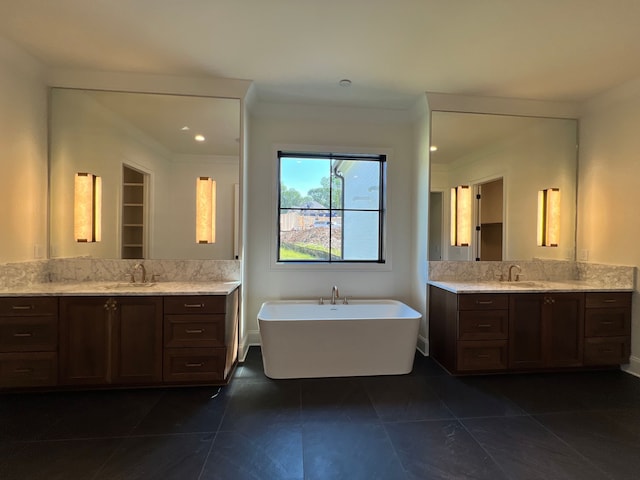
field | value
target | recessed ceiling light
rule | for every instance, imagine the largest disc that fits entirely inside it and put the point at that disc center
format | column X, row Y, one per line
column 185, row 128
column 199, row 138
column 433, row 148
column 345, row 82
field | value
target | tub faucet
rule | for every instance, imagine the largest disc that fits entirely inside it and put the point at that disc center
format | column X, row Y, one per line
column 517, row 274
column 143, row 277
column 335, row 293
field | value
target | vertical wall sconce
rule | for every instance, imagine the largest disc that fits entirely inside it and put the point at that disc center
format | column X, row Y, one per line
column 87, row 208
column 205, row 210
column 549, row 217
column 461, row 216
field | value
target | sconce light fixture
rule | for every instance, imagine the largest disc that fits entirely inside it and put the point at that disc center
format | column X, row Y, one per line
column 549, row 217
column 87, row 208
column 205, row 210
column 461, row 216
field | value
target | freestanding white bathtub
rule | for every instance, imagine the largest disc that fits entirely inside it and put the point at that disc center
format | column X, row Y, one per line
column 302, row 339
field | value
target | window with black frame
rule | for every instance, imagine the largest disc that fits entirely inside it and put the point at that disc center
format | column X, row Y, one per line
column 331, row 207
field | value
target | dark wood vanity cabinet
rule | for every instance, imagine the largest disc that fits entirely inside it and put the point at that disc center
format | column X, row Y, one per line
column 546, row 330
column 110, row 340
column 103, row 341
column 28, row 341
column 200, row 338
column 607, row 328
column 495, row 332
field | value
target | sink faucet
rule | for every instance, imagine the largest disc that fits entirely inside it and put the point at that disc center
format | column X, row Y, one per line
column 136, row 267
column 517, row 274
column 335, row 293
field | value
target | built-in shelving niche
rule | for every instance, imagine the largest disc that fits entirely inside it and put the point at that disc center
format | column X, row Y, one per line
column 134, row 212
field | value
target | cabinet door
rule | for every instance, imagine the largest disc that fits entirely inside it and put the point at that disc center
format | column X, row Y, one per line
column 526, row 334
column 84, row 341
column 137, row 340
column 564, row 327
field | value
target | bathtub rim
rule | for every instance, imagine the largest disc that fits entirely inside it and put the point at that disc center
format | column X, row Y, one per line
column 412, row 314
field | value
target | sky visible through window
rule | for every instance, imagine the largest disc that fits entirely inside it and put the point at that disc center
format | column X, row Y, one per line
column 303, row 174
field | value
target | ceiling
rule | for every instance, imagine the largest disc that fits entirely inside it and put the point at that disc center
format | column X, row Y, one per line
column 392, row 51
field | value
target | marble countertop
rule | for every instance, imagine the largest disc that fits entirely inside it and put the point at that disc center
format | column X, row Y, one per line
column 533, row 286
column 121, row 289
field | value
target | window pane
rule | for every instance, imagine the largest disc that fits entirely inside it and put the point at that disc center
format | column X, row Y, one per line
column 361, row 184
column 304, row 182
column 361, row 235
column 329, row 207
column 303, row 237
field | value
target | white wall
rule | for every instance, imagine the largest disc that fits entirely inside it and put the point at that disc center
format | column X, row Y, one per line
column 273, row 125
column 609, row 188
column 23, row 156
column 420, row 194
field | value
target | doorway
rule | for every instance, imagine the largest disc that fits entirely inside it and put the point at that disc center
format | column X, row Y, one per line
column 489, row 222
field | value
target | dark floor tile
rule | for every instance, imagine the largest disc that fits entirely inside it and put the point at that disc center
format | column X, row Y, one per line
column 441, row 449
column 185, row 410
column 571, row 391
column 269, row 453
column 603, row 438
column 51, row 460
column 162, row 457
column 253, row 404
column 97, row 414
column 426, row 366
column 473, row 397
column 336, row 400
column 405, row 398
column 349, row 451
column 28, row 416
column 252, row 367
column 524, row 449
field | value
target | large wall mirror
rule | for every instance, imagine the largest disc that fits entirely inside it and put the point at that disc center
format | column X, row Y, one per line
column 505, row 160
column 148, row 149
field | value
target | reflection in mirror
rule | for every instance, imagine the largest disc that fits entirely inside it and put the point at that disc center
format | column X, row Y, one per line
column 506, row 160
column 149, row 150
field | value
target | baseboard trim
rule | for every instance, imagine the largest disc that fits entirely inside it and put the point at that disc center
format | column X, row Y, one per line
column 633, row 367
column 423, row 345
column 250, row 338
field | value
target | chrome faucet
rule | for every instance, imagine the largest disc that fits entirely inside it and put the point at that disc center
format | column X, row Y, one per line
column 136, row 267
column 335, row 293
column 517, row 274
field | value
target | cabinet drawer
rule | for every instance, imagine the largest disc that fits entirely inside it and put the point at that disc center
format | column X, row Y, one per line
column 193, row 364
column 483, row 325
column 607, row 322
column 483, row 301
column 28, row 306
column 611, row 299
column 194, row 330
column 607, row 350
column 28, row 334
column 28, row 369
column 195, row 304
column 482, row 355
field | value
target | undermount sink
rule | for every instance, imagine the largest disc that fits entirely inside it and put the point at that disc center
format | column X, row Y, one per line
column 129, row 285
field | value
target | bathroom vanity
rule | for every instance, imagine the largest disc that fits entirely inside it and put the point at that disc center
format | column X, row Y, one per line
column 490, row 327
column 103, row 335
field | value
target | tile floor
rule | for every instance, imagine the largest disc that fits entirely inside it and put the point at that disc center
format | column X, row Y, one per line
column 426, row 425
